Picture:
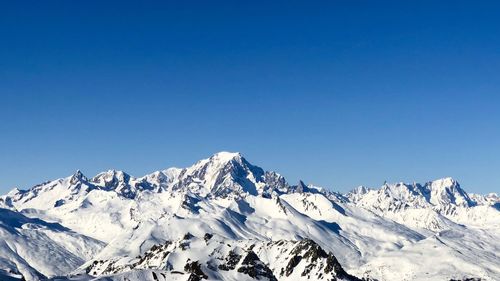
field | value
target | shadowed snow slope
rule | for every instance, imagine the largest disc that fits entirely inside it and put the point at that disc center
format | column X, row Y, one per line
column 34, row 248
column 398, row 232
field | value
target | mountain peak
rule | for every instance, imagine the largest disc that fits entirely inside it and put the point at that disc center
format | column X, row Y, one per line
column 225, row 156
column 444, row 183
column 301, row 187
column 220, row 159
column 14, row 191
column 360, row 190
column 447, row 190
column 78, row 176
column 222, row 173
column 111, row 174
column 111, row 179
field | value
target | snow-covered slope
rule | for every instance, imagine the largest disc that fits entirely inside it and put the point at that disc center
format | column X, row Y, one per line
column 372, row 232
column 34, row 248
column 446, row 255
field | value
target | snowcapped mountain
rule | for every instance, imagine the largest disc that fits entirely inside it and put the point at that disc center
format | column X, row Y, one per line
column 260, row 227
column 488, row 199
column 429, row 206
column 439, row 194
column 218, row 258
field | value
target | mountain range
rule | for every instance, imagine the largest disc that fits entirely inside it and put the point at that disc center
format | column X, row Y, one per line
column 226, row 219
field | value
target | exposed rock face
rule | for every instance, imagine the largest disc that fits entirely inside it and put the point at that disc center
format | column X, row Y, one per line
column 255, row 268
column 296, row 260
column 195, row 269
column 318, row 263
column 232, row 260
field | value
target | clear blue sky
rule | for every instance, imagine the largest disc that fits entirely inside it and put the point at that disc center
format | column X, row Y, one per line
column 337, row 93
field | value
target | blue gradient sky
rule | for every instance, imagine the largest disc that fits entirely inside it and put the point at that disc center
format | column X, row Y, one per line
column 337, row 93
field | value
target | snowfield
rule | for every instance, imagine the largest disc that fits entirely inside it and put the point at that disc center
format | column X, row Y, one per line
column 226, row 219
